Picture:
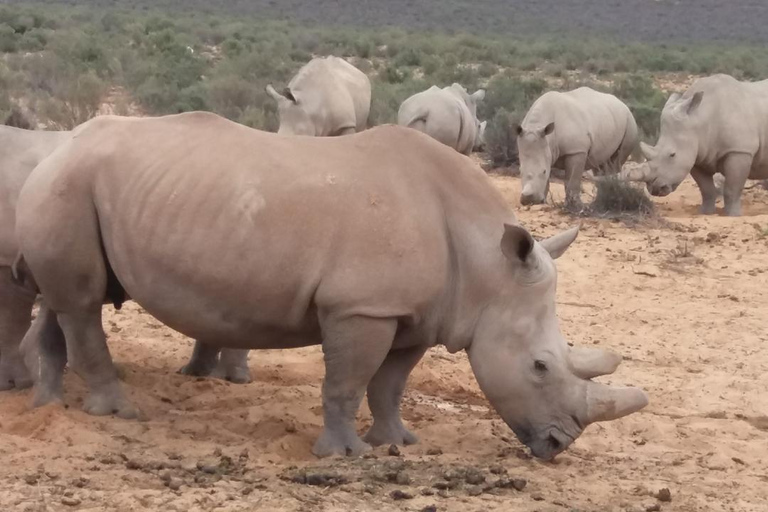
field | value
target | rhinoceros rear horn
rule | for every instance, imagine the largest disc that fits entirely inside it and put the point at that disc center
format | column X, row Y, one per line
column 589, row 362
column 605, row 403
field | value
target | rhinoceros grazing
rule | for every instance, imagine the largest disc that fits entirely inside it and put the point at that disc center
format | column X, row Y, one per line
column 576, row 130
column 20, row 151
column 448, row 115
column 718, row 125
column 327, row 97
column 378, row 246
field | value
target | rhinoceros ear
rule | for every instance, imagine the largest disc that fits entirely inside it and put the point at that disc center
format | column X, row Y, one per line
column 516, row 243
column 558, row 244
column 548, row 129
column 672, row 99
column 693, row 103
column 478, row 95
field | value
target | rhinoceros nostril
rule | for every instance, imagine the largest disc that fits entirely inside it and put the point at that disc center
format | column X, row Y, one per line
column 554, row 443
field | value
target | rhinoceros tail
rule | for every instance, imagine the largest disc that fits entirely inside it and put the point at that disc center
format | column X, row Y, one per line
column 21, row 274
column 115, row 292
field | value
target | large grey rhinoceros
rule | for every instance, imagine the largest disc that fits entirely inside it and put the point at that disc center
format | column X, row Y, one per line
column 576, row 130
column 448, row 115
column 327, row 97
column 20, row 151
column 718, row 125
column 378, row 246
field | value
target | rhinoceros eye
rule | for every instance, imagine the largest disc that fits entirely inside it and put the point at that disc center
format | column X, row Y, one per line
column 540, row 366
column 672, row 155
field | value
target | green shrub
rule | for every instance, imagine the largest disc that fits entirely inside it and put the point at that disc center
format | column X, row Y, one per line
column 501, row 139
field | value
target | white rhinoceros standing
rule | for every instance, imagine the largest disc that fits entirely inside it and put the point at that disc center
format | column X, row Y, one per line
column 576, row 130
column 327, row 97
column 448, row 115
column 377, row 246
column 718, row 125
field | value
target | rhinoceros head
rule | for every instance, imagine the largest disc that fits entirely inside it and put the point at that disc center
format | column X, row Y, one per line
column 674, row 155
column 294, row 119
column 535, row 163
column 539, row 385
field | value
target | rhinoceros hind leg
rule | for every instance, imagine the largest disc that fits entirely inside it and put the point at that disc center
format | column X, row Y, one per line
column 45, row 354
column 384, row 394
column 735, row 168
column 15, row 317
column 354, row 349
column 203, row 361
column 90, row 358
column 233, row 366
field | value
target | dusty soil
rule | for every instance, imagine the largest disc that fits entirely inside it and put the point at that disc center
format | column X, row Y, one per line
column 682, row 298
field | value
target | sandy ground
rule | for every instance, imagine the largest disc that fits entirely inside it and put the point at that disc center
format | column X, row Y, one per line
column 682, row 299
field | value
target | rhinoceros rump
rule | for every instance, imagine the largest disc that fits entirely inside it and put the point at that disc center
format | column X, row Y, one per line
column 378, row 246
column 718, row 125
column 448, row 115
column 577, row 130
column 328, row 96
column 20, row 151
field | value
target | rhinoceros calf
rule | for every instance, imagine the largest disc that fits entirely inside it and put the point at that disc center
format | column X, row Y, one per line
column 448, row 115
column 378, row 246
column 576, row 130
column 20, row 151
column 718, row 125
column 327, row 97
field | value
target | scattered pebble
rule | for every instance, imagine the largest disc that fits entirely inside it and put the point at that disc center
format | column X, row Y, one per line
column 393, row 451
column 175, row 484
column 497, row 470
column 664, row 495
column 474, row 490
column 70, row 501
column 31, row 479
column 429, row 508
column 434, row 451
column 653, row 508
column 537, row 497
column 398, row 495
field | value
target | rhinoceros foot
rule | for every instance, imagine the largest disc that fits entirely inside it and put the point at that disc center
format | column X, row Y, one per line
column 109, row 400
column 335, row 443
column 236, row 375
column 380, row 434
column 13, row 374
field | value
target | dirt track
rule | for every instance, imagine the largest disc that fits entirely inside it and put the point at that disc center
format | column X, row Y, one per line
column 683, row 301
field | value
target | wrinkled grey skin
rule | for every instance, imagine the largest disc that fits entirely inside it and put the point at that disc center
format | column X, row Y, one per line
column 327, row 97
column 448, row 115
column 719, row 125
column 291, row 245
column 20, row 151
column 576, row 131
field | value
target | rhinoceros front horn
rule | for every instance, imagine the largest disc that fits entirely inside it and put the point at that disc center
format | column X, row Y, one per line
column 587, row 362
column 605, row 403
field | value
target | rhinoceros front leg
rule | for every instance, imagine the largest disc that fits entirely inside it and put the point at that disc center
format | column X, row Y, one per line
column 384, row 394
column 353, row 349
column 231, row 365
column 735, row 168
column 706, row 183
column 574, row 169
column 45, row 354
column 15, row 318
column 89, row 357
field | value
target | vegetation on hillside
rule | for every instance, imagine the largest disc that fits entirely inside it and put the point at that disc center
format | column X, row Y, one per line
column 62, row 63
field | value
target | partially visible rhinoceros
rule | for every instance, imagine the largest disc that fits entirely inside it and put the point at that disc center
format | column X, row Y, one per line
column 20, row 151
column 448, row 115
column 378, row 246
column 576, row 130
column 718, row 125
column 327, row 97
